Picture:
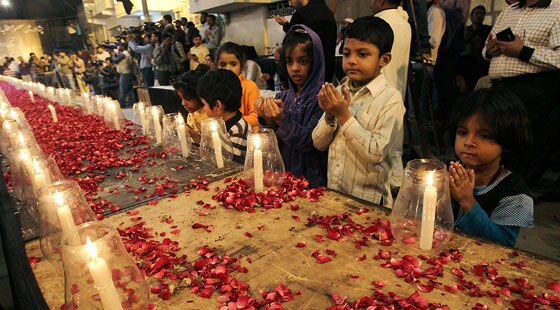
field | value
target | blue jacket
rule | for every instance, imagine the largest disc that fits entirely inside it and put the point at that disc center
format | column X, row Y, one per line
column 302, row 113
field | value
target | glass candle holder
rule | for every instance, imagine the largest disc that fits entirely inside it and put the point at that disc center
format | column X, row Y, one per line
column 176, row 139
column 422, row 216
column 86, row 103
column 100, row 274
column 140, row 113
column 114, row 117
column 61, row 206
column 264, row 167
column 154, row 117
column 98, row 105
column 215, row 145
column 20, row 162
column 39, row 172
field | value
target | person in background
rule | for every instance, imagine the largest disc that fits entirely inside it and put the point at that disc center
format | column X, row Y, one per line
column 146, row 55
column 490, row 200
column 340, row 36
column 472, row 65
column 180, row 48
column 231, row 57
column 252, row 70
column 529, row 67
column 101, row 54
column 65, row 64
column 280, row 74
column 396, row 72
column 186, row 90
column 212, row 34
column 167, row 23
column 123, row 62
column 220, row 92
column 47, row 68
column 165, row 60
column 79, row 67
column 33, row 66
column 363, row 119
column 190, row 33
column 198, row 52
column 210, row 61
column 316, row 15
column 24, row 70
column 294, row 113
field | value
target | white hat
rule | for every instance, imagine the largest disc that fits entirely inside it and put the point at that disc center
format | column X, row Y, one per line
column 349, row 20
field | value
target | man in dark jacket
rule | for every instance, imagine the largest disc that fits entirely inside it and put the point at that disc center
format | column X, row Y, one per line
column 316, row 15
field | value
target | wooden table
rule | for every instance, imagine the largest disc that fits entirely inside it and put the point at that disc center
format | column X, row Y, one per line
column 276, row 259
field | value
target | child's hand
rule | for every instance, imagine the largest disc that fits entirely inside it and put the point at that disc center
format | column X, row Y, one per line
column 335, row 103
column 461, row 183
column 259, row 106
column 274, row 110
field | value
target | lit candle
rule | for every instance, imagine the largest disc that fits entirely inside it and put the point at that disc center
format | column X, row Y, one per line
column 99, row 103
column 66, row 221
column 53, row 113
column 217, row 145
column 428, row 214
column 114, row 106
column 258, row 165
column 31, row 96
column 143, row 122
column 182, row 135
column 157, row 125
column 38, row 176
column 103, row 280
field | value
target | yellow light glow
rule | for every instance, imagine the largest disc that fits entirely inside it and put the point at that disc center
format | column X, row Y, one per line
column 430, row 179
column 257, row 141
column 58, row 198
column 180, row 120
column 91, row 248
column 214, row 126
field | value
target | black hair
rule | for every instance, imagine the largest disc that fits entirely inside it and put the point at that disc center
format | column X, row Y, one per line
column 211, row 16
column 478, row 7
column 190, row 24
column 197, row 35
column 165, row 36
column 168, row 18
column 188, row 82
column 157, row 34
column 395, row 3
column 212, row 57
column 223, row 85
column 291, row 40
column 204, row 13
column 504, row 115
column 373, row 30
column 232, row 48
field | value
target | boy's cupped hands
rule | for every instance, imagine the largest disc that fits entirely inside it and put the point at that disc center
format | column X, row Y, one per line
column 335, row 103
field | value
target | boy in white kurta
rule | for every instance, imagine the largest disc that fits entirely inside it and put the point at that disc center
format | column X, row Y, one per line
column 363, row 121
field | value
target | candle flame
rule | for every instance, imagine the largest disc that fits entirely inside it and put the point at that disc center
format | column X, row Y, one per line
column 24, row 155
column 180, row 119
column 36, row 166
column 14, row 114
column 21, row 138
column 51, row 106
column 155, row 111
column 91, row 248
column 58, row 198
column 141, row 105
column 214, row 126
column 430, row 179
column 257, row 142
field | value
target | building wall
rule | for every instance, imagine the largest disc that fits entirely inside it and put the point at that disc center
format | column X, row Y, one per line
column 20, row 37
column 248, row 27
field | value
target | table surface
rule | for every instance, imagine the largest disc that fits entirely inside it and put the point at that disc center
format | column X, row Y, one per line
column 275, row 259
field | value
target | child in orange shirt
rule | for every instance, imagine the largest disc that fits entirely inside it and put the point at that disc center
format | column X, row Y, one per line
column 231, row 57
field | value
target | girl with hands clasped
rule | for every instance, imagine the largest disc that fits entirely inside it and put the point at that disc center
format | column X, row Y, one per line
column 294, row 113
column 490, row 201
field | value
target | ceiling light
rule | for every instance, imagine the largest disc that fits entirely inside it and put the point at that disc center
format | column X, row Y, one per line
column 5, row 2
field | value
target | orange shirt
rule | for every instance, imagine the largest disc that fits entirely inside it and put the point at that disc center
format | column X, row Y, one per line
column 250, row 94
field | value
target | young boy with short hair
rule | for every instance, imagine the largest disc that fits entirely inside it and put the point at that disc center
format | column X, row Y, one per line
column 220, row 92
column 185, row 88
column 363, row 126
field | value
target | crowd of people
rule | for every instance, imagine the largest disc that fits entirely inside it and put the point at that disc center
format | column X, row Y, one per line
column 498, row 87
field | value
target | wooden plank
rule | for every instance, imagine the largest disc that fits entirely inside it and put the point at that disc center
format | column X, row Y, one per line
column 275, row 259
